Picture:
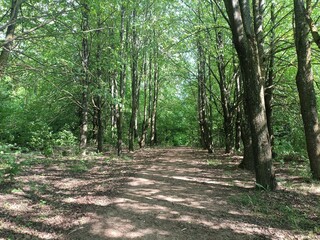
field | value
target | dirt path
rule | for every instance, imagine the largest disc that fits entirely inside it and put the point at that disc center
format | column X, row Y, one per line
column 178, row 193
column 175, row 195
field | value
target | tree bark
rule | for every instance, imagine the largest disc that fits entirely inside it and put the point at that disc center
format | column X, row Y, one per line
column 304, row 81
column 134, row 84
column 122, row 76
column 7, row 47
column 248, row 160
column 85, row 78
column 153, row 126
column 270, row 77
column 239, row 114
column 146, row 103
column 206, row 137
column 246, row 45
column 224, row 96
column 313, row 28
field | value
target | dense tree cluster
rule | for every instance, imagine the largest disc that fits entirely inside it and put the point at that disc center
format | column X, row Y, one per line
column 129, row 74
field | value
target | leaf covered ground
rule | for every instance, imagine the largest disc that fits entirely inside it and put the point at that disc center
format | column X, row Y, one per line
column 174, row 193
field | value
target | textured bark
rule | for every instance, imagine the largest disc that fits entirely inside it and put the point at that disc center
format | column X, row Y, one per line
column 238, row 134
column 147, row 70
column 258, row 11
column 122, row 76
column 248, row 157
column 205, row 134
column 7, row 47
column 313, row 28
column 85, row 78
column 100, row 131
column 153, row 124
column 98, row 128
column 305, row 85
column 134, row 85
column 225, row 96
column 246, row 45
column 270, row 77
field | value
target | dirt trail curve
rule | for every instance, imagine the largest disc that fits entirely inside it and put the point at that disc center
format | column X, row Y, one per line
column 173, row 194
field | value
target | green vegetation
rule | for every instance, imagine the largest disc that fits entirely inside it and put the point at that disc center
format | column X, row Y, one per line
column 84, row 76
column 282, row 210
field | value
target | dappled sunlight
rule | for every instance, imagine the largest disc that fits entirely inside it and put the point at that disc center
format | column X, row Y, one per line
column 95, row 200
column 116, row 227
column 139, row 207
column 140, row 181
column 25, row 231
column 185, row 193
column 70, row 183
column 202, row 180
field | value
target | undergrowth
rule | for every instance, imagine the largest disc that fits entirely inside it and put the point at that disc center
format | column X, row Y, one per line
column 287, row 210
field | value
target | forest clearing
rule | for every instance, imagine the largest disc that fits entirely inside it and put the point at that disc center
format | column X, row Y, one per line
column 165, row 193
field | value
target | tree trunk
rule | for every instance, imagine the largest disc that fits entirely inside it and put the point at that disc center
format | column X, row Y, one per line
column 146, row 103
column 313, row 28
column 246, row 45
column 85, row 79
column 206, row 137
column 122, row 76
column 134, row 85
column 304, row 80
column 7, row 47
column 224, row 96
column 98, row 128
column 248, row 157
column 239, row 114
column 270, row 77
column 153, row 127
column 100, row 131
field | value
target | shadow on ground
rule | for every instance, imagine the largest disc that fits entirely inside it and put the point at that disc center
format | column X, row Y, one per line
column 178, row 193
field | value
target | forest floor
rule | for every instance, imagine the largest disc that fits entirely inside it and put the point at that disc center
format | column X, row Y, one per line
column 174, row 193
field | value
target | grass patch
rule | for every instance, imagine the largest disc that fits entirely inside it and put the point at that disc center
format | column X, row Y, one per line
column 213, row 162
column 282, row 209
column 80, row 166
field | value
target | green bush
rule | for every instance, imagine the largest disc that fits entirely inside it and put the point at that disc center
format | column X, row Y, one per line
column 65, row 138
column 9, row 167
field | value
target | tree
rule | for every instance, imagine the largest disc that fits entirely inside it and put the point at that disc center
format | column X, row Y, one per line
column 135, row 82
column 205, row 133
column 10, row 33
column 307, row 95
column 85, row 10
column 245, row 42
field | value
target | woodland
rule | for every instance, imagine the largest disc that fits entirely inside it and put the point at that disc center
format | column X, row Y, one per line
column 146, row 87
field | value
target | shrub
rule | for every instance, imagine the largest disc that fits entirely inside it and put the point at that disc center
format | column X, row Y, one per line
column 9, row 167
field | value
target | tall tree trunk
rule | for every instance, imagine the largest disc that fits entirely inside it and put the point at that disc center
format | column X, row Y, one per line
column 248, row 160
column 97, row 100
column 134, row 84
column 246, row 45
column 122, row 76
column 100, row 131
column 224, row 96
column 153, row 127
column 206, row 137
column 85, row 78
column 238, row 94
column 270, row 77
column 313, row 28
column 146, row 113
column 7, row 47
column 304, row 80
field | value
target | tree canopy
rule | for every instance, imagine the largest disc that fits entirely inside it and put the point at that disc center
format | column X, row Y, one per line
column 130, row 74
